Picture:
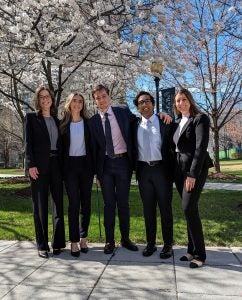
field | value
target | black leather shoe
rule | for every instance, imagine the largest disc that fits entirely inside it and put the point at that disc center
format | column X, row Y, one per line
column 84, row 250
column 128, row 244
column 83, row 245
column 56, row 251
column 43, row 254
column 149, row 250
column 109, row 248
column 166, row 251
column 195, row 263
column 187, row 257
column 75, row 253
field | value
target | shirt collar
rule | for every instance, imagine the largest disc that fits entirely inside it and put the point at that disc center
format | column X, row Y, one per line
column 151, row 119
column 109, row 111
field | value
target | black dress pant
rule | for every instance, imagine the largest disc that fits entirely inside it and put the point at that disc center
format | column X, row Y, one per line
column 78, row 181
column 196, row 245
column 156, row 188
column 115, row 184
column 50, row 181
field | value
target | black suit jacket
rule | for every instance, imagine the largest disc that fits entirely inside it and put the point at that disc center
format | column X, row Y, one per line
column 193, row 144
column 124, row 118
column 65, row 137
column 37, row 142
column 166, row 132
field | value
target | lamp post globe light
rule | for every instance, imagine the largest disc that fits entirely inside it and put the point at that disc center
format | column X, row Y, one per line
column 157, row 68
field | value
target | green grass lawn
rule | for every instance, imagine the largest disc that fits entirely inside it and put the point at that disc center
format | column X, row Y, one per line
column 233, row 167
column 231, row 162
column 230, row 167
column 12, row 171
column 220, row 213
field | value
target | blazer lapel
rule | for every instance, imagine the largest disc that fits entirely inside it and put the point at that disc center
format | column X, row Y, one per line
column 186, row 125
column 99, row 128
column 137, row 123
column 86, row 134
column 162, row 131
column 42, row 124
column 68, row 135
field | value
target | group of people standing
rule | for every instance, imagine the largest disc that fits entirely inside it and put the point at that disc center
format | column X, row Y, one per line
column 111, row 144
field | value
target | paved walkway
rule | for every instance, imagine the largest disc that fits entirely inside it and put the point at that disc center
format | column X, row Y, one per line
column 208, row 185
column 217, row 186
column 10, row 175
column 125, row 275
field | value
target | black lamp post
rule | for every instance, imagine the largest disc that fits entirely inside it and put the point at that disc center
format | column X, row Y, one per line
column 157, row 68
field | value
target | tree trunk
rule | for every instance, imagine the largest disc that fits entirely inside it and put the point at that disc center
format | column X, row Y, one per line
column 216, row 150
column 225, row 152
column 6, row 155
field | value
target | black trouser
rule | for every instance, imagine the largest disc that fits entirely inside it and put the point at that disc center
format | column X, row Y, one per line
column 156, row 188
column 196, row 245
column 78, row 182
column 115, row 184
column 40, row 187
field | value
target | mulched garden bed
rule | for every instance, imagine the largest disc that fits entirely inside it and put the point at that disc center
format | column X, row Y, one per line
column 223, row 176
column 15, row 180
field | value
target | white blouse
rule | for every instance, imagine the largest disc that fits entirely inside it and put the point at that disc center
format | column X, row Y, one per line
column 77, row 140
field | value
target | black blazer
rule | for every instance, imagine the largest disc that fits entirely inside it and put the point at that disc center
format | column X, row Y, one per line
column 124, row 118
column 37, row 142
column 166, row 132
column 193, row 144
column 65, row 137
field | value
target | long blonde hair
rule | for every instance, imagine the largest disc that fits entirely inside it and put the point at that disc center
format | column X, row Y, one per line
column 67, row 116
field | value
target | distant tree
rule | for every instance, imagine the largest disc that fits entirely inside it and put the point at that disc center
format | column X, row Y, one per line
column 11, row 134
column 206, row 36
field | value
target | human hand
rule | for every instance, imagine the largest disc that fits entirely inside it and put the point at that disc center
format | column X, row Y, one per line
column 33, row 172
column 190, row 183
column 98, row 182
column 165, row 117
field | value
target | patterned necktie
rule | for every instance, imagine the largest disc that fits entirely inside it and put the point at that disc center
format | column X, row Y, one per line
column 108, row 137
column 146, row 141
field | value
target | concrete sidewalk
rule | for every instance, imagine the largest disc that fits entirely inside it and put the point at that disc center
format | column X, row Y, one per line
column 208, row 185
column 125, row 275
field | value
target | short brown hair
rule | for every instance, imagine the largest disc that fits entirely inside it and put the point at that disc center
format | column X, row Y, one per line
column 194, row 110
column 98, row 88
column 36, row 99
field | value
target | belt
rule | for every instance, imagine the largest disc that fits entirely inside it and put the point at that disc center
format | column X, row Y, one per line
column 77, row 157
column 118, row 155
column 152, row 163
column 53, row 153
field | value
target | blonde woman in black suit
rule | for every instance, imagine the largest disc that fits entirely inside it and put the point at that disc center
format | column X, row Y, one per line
column 78, row 170
column 42, row 161
column 192, row 162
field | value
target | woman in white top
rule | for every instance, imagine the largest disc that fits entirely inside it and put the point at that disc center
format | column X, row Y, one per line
column 78, row 170
column 192, row 163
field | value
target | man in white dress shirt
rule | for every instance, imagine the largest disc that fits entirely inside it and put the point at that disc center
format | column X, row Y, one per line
column 154, row 172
